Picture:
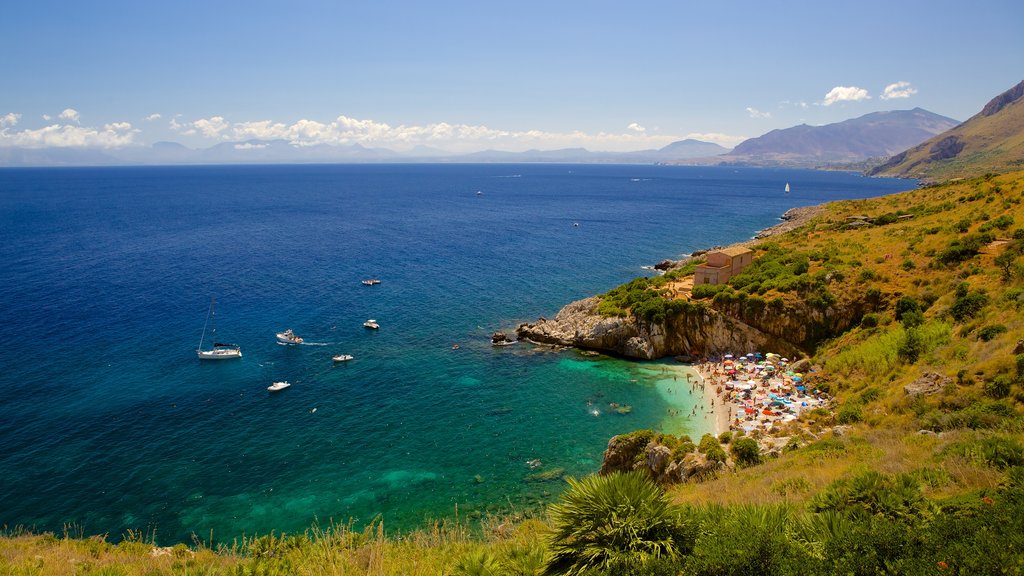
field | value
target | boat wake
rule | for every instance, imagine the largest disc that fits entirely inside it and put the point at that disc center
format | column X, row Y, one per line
column 316, row 343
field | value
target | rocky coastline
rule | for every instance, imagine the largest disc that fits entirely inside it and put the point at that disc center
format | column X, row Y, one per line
column 700, row 332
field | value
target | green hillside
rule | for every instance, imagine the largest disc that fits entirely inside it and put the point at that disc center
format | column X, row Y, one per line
column 990, row 141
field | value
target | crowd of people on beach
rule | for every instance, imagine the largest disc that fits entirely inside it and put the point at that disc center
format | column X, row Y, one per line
column 758, row 391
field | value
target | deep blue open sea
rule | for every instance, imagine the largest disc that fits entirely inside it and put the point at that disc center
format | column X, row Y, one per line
column 109, row 422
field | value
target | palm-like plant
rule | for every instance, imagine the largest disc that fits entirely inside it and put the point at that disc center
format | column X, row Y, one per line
column 614, row 522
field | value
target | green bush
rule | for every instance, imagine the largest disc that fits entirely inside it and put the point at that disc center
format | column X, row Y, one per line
column 961, row 249
column 906, row 304
column 968, row 303
column 989, row 332
column 726, row 437
column 746, row 452
column 911, row 346
column 614, row 522
column 998, row 387
column 997, row 451
column 850, row 413
column 707, row 442
column 869, row 321
column 873, row 494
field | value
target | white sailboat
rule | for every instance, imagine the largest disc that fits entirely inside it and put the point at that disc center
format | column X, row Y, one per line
column 787, row 187
column 219, row 351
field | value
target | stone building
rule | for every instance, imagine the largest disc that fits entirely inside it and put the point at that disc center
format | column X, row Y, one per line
column 722, row 265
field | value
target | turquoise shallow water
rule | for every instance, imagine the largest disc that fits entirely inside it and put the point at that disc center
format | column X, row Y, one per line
column 111, row 423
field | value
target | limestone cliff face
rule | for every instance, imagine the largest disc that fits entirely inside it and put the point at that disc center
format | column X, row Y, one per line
column 706, row 331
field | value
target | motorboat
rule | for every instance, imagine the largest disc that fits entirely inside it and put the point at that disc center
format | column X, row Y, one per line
column 342, row 358
column 371, row 282
column 220, row 350
column 276, row 386
column 371, row 324
column 288, row 337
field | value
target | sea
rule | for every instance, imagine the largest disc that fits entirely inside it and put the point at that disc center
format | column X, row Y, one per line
column 110, row 423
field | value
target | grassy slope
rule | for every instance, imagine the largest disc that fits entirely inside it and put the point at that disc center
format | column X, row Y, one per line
column 900, row 259
column 858, row 367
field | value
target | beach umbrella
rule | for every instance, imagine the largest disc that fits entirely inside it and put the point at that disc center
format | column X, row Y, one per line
column 728, row 356
column 800, row 388
column 797, row 379
column 750, row 410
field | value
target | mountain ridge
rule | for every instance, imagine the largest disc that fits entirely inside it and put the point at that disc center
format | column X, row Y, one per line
column 990, row 141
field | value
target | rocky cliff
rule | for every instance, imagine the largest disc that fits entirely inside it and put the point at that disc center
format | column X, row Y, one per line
column 699, row 332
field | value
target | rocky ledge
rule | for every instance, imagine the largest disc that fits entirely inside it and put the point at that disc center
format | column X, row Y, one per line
column 701, row 332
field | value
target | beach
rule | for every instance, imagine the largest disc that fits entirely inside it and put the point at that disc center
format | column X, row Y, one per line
column 756, row 392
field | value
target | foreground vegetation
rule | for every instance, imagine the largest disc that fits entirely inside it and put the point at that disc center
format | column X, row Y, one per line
column 903, row 478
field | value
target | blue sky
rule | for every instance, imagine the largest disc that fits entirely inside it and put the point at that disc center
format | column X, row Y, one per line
column 463, row 76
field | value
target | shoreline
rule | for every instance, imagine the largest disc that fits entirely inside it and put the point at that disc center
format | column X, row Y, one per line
column 715, row 393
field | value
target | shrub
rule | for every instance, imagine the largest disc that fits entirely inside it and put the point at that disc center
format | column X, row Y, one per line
column 870, row 394
column 873, row 494
column 996, row 451
column 707, row 442
column 614, row 522
column 869, row 321
column 701, row 291
column 965, row 248
column 726, row 437
column 989, row 332
column 910, row 346
column 746, row 452
column 716, row 453
column 967, row 303
column 906, row 304
column 998, row 387
column 850, row 413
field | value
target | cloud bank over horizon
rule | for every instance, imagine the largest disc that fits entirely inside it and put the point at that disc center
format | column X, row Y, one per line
column 341, row 131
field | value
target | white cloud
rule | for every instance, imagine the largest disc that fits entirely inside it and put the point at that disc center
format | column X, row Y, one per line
column 152, row 117
column 755, row 113
column 211, row 127
column 898, row 90
column 114, row 135
column 249, row 146
column 69, row 114
column 9, row 120
column 454, row 138
column 47, row 117
column 845, row 94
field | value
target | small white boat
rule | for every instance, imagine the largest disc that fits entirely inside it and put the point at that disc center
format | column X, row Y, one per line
column 219, row 351
column 288, row 337
column 787, row 187
column 371, row 282
column 278, row 386
column 371, row 324
column 342, row 358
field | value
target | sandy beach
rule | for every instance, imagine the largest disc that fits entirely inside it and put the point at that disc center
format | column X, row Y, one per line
column 755, row 392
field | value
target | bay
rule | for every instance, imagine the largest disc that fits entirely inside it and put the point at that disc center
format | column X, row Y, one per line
column 111, row 423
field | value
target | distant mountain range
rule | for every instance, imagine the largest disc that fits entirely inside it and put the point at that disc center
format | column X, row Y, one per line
column 875, row 135
column 284, row 152
column 990, row 141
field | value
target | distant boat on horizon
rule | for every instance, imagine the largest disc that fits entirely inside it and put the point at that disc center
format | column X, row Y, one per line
column 787, row 187
column 219, row 351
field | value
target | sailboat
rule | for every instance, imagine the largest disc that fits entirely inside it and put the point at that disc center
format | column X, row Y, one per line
column 219, row 351
column 787, row 187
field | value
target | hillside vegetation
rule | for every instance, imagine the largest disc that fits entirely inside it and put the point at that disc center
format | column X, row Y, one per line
column 918, row 470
